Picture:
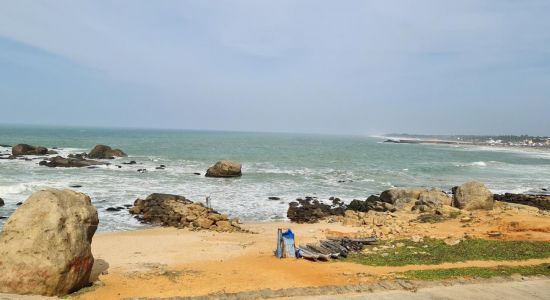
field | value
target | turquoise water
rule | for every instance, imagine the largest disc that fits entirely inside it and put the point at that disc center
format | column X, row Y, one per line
column 282, row 165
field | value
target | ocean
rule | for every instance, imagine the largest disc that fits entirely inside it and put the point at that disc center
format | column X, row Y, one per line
column 281, row 165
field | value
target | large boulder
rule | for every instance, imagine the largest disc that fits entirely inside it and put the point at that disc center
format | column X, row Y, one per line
column 225, row 168
column 24, row 149
column 45, row 247
column 105, row 152
column 401, row 196
column 473, row 195
column 61, row 162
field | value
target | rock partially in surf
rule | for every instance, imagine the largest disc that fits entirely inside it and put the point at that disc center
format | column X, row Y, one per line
column 538, row 201
column 132, row 162
column 78, row 155
column 25, row 149
column 105, row 152
column 311, row 210
column 177, row 211
column 52, row 152
column 62, row 162
column 225, row 168
column 2, row 202
column 473, row 195
column 45, row 246
column 274, row 198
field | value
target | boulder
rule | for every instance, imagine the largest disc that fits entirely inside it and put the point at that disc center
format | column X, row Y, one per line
column 61, row 162
column 105, row 152
column 24, row 149
column 1, row 202
column 45, row 247
column 432, row 200
column 401, row 196
column 473, row 195
column 225, row 168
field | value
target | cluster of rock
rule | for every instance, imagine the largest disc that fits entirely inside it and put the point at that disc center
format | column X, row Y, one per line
column 225, row 168
column 45, row 246
column 469, row 196
column 62, row 162
column 311, row 210
column 179, row 212
column 538, row 201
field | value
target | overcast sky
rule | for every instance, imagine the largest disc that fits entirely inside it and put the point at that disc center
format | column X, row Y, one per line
column 352, row 67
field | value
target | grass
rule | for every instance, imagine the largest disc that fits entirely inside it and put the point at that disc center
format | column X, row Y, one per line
column 436, row 252
column 475, row 272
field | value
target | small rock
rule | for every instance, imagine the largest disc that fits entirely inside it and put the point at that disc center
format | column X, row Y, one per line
column 112, row 209
column 494, row 233
column 274, row 198
column 465, row 219
column 19, row 203
column 197, row 173
column 75, row 186
column 1, row 202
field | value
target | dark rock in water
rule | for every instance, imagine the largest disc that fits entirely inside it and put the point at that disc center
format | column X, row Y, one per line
column 177, row 211
column 132, row 162
column 112, row 209
column 92, row 167
column 225, row 168
column 105, row 152
column 24, row 149
column 160, row 168
column 19, row 203
column 120, row 167
column 2, row 202
column 120, row 207
column 142, row 170
column 538, row 201
column 12, row 157
column 61, row 162
column 127, row 205
column 197, row 173
column 4, row 145
column 310, row 210
column 75, row 186
column 2, row 217
column 546, row 190
column 274, row 198
column 52, row 152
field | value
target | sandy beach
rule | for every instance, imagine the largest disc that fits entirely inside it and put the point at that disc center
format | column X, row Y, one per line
column 167, row 262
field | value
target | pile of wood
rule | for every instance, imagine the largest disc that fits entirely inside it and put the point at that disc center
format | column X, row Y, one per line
column 333, row 248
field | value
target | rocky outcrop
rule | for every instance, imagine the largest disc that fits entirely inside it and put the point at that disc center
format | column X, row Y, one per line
column 177, row 211
column 401, row 196
column 473, row 195
column 310, row 210
column 538, row 201
column 105, row 152
column 61, row 162
column 225, row 168
column 24, row 149
column 372, row 203
column 45, row 246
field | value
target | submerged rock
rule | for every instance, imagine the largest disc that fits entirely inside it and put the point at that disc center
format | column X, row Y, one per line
column 105, row 152
column 225, row 168
column 177, row 211
column 25, row 149
column 45, row 246
column 473, row 195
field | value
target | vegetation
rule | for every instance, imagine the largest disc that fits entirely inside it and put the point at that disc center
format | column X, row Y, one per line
column 436, row 252
column 475, row 272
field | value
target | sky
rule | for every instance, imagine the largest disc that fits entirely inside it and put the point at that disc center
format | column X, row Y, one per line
column 339, row 67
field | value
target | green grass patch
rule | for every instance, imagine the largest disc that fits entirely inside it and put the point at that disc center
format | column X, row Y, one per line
column 436, row 252
column 474, row 272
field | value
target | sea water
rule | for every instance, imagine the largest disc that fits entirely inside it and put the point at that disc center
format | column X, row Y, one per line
column 274, row 165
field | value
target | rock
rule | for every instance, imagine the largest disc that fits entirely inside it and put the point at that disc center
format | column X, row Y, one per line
column 435, row 196
column 112, row 209
column 45, row 247
column 132, row 162
column 310, row 210
column 19, row 203
column 177, row 211
column 75, row 186
column 538, row 201
column 52, row 152
column 452, row 241
column 142, row 170
column 224, row 168
column 204, row 223
column 401, row 196
column 60, row 162
column 197, row 173
column 24, row 149
column 494, row 233
column 274, row 198
column 465, row 219
column 473, row 195
column 105, row 152
column 1, row 202
column 417, row 239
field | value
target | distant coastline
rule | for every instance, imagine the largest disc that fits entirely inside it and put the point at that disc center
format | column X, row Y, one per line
column 503, row 141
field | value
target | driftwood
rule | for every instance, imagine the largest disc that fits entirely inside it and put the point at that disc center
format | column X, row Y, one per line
column 334, row 248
